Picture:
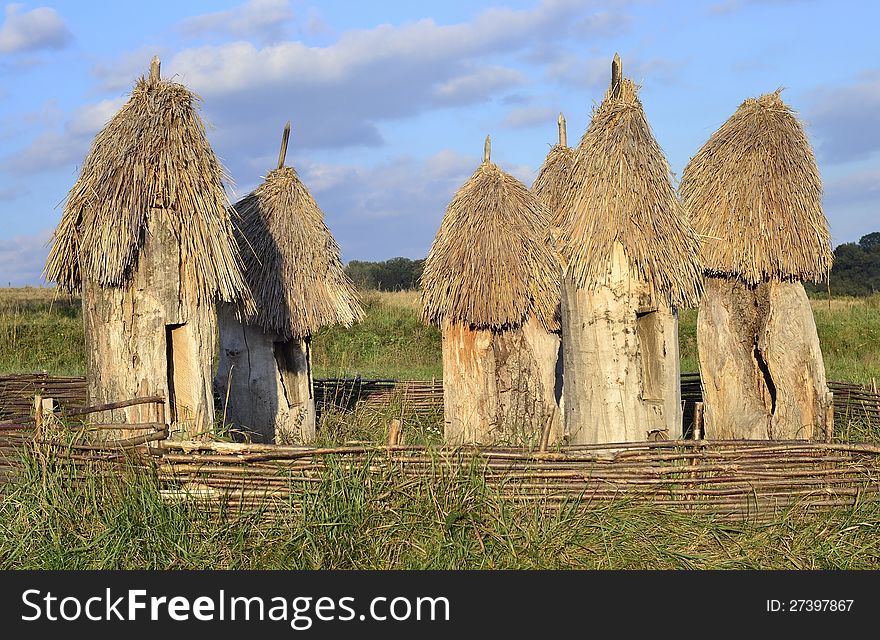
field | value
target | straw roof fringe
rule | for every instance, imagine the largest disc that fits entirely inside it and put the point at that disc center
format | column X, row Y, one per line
column 552, row 181
column 620, row 190
column 153, row 155
column 491, row 265
column 292, row 262
column 754, row 193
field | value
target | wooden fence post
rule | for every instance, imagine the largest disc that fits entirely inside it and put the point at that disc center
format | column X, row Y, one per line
column 829, row 417
column 38, row 417
column 394, row 433
column 698, row 421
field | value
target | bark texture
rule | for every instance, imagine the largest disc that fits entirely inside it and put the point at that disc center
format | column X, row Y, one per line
column 761, row 366
column 621, row 361
column 143, row 340
column 499, row 387
column 267, row 381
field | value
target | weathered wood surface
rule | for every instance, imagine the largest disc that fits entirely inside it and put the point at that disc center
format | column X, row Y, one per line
column 264, row 382
column 760, row 361
column 499, row 386
column 621, row 361
column 144, row 340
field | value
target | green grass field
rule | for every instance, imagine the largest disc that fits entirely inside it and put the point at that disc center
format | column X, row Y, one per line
column 40, row 331
column 364, row 521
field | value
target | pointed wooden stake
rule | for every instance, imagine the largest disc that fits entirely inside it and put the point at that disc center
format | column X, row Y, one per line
column 487, row 150
column 616, row 75
column 284, row 138
column 562, row 136
column 155, row 66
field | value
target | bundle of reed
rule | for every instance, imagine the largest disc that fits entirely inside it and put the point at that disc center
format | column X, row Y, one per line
column 292, row 263
column 754, row 195
column 152, row 159
column 491, row 265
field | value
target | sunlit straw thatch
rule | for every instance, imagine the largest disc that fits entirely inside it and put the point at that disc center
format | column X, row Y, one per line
column 754, row 194
column 491, row 265
column 552, row 180
column 292, row 262
column 152, row 158
column 620, row 190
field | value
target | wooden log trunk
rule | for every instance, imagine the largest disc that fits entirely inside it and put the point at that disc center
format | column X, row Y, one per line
column 143, row 340
column 761, row 365
column 621, row 361
column 267, row 381
column 499, row 386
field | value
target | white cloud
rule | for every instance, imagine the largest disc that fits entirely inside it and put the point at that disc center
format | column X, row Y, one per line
column 8, row 194
column 529, row 116
column 91, row 118
column 595, row 72
column 40, row 28
column 120, row 72
column 264, row 20
column 732, row 6
column 860, row 186
column 52, row 149
column 339, row 94
column 392, row 208
column 22, row 258
column 846, row 120
column 477, row 85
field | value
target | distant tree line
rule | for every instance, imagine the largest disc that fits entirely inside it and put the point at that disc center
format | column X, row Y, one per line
column 396, row 274
column 856, row 270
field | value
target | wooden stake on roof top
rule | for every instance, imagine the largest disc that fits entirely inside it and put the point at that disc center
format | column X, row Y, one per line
column 284, row 138
column 155, row 65
column 487, row 150
column 616, row 75
column 562, row 137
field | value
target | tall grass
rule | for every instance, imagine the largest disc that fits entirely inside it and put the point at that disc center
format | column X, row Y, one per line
column 391, row 342
column 40, row 331
column 361, row 519
column 849, row 335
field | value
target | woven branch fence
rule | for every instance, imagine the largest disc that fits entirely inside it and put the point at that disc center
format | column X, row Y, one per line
column 755, row 480
column 424, row 397
column 731, row 479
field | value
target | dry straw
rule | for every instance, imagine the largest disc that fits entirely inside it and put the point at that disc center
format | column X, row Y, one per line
column 620, row 190
column 292, row 262
column 754, row 194
column 152, row 159
column 550, row 185
column 491, row 265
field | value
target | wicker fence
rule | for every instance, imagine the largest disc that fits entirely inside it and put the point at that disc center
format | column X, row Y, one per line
column 728, row 479
column 731, row 479
column 851, row 401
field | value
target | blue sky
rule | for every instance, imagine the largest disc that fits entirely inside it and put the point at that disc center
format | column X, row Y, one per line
column 390, row 101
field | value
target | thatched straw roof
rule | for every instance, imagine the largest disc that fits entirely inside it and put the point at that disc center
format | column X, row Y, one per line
column 491, row 265
column 754, row 195
column 152, row 154
column 552, row 180
column 292, row 262
column 620, row 190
